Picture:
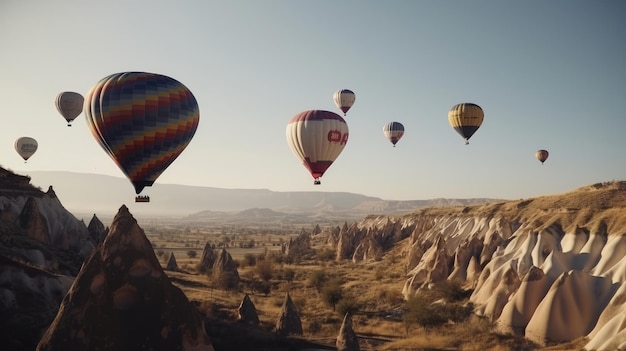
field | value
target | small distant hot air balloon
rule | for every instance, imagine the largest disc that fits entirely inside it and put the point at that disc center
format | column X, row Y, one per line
column 393, row 132
column 317, row 138
column 344, row 99
column 542, row 155
column 143, row 121
column 26, row 147
column 69, row 105
column 466, row 118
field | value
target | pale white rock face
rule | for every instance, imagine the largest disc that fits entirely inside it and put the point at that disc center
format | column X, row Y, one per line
column 531, row 276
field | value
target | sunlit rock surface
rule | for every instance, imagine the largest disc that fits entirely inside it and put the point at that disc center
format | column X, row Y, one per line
column 550, row 268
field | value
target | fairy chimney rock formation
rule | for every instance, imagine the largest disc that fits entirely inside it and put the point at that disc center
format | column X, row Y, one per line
column 171, row 263
column 122, row 300
column 224, row 264
column 347, row 339
column 97, row 230
column 288, row 320
column 247, row 312
column 208, row 258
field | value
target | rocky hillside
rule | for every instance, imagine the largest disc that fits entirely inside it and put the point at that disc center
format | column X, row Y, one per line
column 42, row 247
column 550, row 268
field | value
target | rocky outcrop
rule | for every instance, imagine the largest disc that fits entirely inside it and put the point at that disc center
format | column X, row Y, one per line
column 549, row 268
column 97, row 230
column 347, row 339
column 208, row 258
column 299, row 245
column 122, row 300
column 224, row 265
column 35, row 224
column 288, row 322
column 247, row 312
column 171, row 263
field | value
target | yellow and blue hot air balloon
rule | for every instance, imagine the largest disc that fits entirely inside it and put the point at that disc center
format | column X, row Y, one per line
column 143, row 121
column 70, row 105
column 466, row 118
column 344, row 99
column 393, row 131
column 317, row 138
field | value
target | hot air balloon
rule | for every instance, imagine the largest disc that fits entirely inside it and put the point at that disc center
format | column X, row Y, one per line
column 26, row 147
column 143, row 121
column 393, row 132
column 317, row 138
column 69, row 105
column 466, row 118
column 344, row 99
column 542, row 155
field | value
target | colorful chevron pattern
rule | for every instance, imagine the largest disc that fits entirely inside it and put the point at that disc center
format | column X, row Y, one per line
column 143, row 121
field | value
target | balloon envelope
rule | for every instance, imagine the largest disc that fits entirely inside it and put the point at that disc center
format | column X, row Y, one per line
column 70, row 105
column 143, row 121
column 466, row 118
column 317, row 138
column 26, row 147
column 393, row 131
column 344, row 99
column 542, row 155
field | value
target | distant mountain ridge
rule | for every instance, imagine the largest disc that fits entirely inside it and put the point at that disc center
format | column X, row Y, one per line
column 93, row 193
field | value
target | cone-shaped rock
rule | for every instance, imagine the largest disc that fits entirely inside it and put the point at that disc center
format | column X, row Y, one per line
column 122, row 300
column 288, row 320
column 97, row 230
column 247, row 312
column 347, row 339
column 208, row 258
column 171, row 263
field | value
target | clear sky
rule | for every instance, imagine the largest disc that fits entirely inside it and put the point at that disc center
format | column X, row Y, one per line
column 548, row 74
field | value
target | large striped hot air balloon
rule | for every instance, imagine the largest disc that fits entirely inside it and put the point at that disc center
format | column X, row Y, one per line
column 26, row 147
column 344, row 99
column 466, row 118
column 393, row 132
column 542, row 155
column 317, row 138
column 143, row 121
column 70, row 105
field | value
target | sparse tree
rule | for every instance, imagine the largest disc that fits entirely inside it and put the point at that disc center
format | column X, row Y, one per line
column 332, row 292
column 192, row 253
column 317, row 279
column 265, row 270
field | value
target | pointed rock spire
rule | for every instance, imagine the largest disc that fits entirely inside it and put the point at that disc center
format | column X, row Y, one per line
column 247, row 312
column 347, row 339
column 288, row 320
column 122, row 300
column 171, row 263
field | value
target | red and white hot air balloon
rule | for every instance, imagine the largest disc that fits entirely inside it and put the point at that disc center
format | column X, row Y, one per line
column 317, row 138
column 344, row 99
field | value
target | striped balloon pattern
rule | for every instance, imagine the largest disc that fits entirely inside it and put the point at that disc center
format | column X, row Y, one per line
column 466, row 118
column 143, row 121
column 393, row 131
column 317, row 138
